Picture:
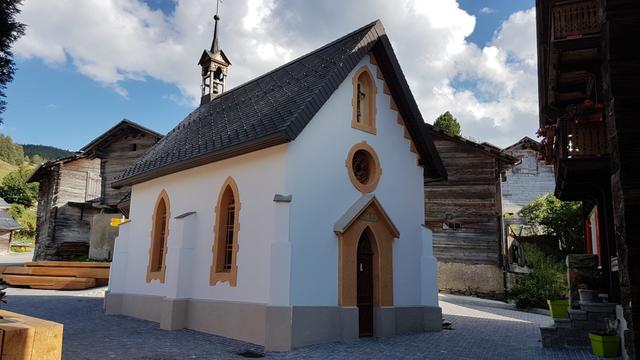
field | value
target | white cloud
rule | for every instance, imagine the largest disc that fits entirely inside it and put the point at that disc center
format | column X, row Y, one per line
column 487, row 10
column 118, row 40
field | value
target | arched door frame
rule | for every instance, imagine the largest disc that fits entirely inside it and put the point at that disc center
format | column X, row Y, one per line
column 366, row 215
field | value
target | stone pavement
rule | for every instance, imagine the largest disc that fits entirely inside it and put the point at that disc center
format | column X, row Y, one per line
column 480, row 332
column 14, row 258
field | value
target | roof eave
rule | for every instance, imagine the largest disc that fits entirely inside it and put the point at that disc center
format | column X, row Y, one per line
column 123, row 122
column 264, row 142
column 408, row 108
column 38, row 173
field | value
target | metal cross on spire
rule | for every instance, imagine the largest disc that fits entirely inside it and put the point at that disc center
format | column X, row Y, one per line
column 214, row 45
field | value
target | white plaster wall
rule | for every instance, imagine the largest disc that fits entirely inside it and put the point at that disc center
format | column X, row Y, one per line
column 526, row 181
column 318, row 180
column 259, row 175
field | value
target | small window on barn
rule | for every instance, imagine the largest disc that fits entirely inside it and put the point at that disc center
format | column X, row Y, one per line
column 364, row 101
column 225, row 246
column 134, row 147
column 156, row 268
column 451, row 226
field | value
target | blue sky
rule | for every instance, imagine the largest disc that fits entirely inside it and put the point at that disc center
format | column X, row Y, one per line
column 67, row 100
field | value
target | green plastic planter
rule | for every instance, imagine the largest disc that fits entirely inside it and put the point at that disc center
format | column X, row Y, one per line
column 559, row 308
column 605, row 345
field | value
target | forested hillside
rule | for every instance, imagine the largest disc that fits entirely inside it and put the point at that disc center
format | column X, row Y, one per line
column 44, row 151
column 10, row 152
column 13, row 154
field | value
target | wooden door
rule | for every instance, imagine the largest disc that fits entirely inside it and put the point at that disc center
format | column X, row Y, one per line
column 365, row 285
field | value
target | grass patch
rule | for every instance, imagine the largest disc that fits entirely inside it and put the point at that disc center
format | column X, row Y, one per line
column 6, row 168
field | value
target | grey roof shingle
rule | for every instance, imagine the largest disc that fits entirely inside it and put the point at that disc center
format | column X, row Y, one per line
column 7, row 222
column 274, row 108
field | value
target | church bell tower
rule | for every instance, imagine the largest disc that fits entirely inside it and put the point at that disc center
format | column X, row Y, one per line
column 214, row 64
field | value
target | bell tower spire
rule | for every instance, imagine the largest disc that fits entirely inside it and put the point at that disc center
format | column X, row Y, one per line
column 214, row 64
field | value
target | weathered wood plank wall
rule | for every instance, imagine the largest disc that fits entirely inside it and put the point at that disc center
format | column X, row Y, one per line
column 57, row 221
column 117, row 155
column 471, row 198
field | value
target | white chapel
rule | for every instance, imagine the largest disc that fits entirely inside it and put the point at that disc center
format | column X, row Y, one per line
column 289, row 210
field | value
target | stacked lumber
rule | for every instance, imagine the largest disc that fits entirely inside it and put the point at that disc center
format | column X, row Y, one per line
column 28, row 338
column 58, row 275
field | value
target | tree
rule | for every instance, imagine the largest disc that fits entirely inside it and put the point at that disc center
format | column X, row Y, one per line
column 37, row 159
column 26, row 217
column 10, row 31
column 560, row 219
column 10, row 151
column 15, row 189
column 448, row 123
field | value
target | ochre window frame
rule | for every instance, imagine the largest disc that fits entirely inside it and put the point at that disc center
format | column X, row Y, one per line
column 153, row 273
column 369, row 124
column 376, row 170
column 219, row 240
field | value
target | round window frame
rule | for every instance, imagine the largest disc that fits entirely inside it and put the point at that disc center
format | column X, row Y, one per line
column 375, row 169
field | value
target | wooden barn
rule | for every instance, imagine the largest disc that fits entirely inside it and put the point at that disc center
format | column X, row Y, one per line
column 465, row 214
column 76, row 199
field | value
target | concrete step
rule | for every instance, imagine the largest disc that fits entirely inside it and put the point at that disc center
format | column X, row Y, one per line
column 555, row 337
column 593, row 307
column 577, row 314
column 50, row 282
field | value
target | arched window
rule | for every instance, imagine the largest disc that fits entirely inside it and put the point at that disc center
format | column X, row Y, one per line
column 225, row 244
column 159, row 234
column 364, row 101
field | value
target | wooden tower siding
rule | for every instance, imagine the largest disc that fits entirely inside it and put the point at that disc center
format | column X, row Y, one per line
column 470, row 197
column 116, row 155
column 61, row 218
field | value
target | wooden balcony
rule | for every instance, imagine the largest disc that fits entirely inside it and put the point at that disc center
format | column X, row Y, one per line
column 576, row 19
column 581, row 151
column 581, row 140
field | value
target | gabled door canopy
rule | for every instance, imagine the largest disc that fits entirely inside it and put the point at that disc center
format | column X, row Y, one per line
column 357, row 209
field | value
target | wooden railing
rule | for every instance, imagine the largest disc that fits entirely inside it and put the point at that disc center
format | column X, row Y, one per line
column 576, row 19
column 580, row 140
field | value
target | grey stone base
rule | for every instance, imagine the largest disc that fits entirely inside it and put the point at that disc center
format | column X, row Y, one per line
column 275, row 328
column 574, row 331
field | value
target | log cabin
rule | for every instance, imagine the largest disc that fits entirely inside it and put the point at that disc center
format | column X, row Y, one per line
column 588, row 76
column 465, row 214
column 74, row 189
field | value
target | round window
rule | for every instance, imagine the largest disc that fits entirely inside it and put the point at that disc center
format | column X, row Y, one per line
column 364, row 167
column 361, row 166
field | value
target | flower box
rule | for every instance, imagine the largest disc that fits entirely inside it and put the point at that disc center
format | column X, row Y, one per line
column 605, row 345
column 559, row 309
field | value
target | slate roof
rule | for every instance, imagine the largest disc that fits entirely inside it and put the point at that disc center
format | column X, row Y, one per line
column 124, row 123
column 275, row 107
column 7, row 222
column 485, row 147
column 43, row 170
column 525, row 142
column 4, row 204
